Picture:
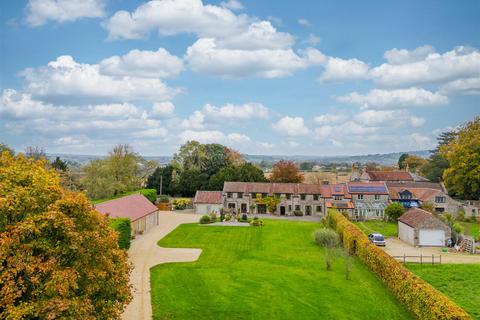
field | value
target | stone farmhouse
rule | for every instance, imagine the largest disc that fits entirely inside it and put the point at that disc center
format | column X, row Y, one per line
column 369, row 199
column 386, row 176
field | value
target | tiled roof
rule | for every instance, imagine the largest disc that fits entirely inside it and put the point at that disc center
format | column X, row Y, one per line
column 134, row 206
column 367, row 188
column 272, row 188
column 340, row 205
column 423, row 194
column 208, row 197
column 417, row 184
column 389, row 176
column 414, row 217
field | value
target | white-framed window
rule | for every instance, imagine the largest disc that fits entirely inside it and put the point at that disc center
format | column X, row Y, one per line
column 360, row 196
column 440, row 199
column 337, row 197
column 377, row 197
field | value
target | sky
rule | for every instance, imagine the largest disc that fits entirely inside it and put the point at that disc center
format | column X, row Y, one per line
column 263, row 77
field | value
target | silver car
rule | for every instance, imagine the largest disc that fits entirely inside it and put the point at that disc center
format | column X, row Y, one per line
column 377, row 238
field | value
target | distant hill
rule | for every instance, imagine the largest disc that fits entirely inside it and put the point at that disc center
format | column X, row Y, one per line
column 383, row 159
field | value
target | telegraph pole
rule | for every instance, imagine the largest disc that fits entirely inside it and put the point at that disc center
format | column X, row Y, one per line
column 161, row 184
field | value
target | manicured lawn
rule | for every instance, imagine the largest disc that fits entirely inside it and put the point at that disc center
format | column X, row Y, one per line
column 472, row 229
column 461, row 282
column 273, row 272
column 388, row 229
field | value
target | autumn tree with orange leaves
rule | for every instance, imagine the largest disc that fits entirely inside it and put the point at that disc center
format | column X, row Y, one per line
column 58, row 257
column 286, row 171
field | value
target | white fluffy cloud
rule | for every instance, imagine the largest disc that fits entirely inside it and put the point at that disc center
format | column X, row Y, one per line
column 40, row 12
column 291, row 126
column 388, row 118
column 232, row 4
column 468, row 86
column 401, row 56
column 213, row 136
column 399, row 98
column 206, row 57
column 338, row 70
column 65, row 77
column 236, row 112
column 163, row 109
column 169, row 17
column 145, row 64
column 424, row 66
column 304, row 22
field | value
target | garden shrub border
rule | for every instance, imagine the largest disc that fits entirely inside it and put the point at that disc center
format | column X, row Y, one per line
column 423, row 300
column 123, row 227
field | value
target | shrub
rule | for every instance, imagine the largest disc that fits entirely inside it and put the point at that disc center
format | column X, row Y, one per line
column 461, row 215
column 150, row 194
column 394, row 210
column 228, row 217
column 213, row 216
column 205, row 219
column 163, row 199
column 256, row 222
column 244, row 217
column 424, row 301
column 124, row 228
column 222, row 215
column 326, row 238
column 181, row 203
column 298, row 213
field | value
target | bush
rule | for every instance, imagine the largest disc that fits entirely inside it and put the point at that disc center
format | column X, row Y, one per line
column 213, row 216
column 458, row 228
column 394, row 210
column 256, row 222
column 150, row 194
column 181, row 203
column 461, row 215
column 298, row 213
column 205, row 219
column 326, row 238
column 124, row 228
column 244, row 217
column 424, row 301
column 163, row 198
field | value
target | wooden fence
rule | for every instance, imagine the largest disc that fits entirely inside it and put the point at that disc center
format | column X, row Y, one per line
column 421, row 259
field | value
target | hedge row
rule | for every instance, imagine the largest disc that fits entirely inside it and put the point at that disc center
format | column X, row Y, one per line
column 150, row 194
column 124, row 229
column 424, row 301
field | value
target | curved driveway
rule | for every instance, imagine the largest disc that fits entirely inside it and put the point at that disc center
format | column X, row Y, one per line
column 144, row 253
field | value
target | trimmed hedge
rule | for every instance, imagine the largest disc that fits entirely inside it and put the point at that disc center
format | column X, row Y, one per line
column 124, row 229
column 424, row 301
column 150, row 194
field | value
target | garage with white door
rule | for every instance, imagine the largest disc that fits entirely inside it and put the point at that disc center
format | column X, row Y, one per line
column 421, row 228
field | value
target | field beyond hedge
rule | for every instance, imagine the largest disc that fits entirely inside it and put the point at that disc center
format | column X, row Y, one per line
column 273, row 272
column 460, row 282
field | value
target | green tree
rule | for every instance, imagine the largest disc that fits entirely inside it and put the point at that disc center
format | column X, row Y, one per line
column 462, row 177
column 163, row 175
column 413, row 162
column 59, row 164
column 191, row 155
column 436, row 164
column 394, row 211
column 190, row 181
column 58, row 257
column 4, row 147
column 401, row 160
column 119, row 172
column 245, row 173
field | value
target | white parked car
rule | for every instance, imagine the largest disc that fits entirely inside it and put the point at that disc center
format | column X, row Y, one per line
column 377, row 238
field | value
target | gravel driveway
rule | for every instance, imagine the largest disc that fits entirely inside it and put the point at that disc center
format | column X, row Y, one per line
column 396, row 247
column 144, row 253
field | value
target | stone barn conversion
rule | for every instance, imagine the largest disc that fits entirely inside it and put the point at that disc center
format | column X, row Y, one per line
column 207, row 201
column 421, row 228
column 141, row 212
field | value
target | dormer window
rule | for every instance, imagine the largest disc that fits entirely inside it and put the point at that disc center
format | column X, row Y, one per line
column 360, row 196
column 405, row 195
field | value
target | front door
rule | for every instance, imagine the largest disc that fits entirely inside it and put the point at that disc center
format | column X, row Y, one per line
column 261, row 208
column 244, row 208
column 308, row 210
column 282, row 210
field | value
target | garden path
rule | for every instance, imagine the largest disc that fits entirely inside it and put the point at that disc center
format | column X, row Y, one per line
column 144, row 253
